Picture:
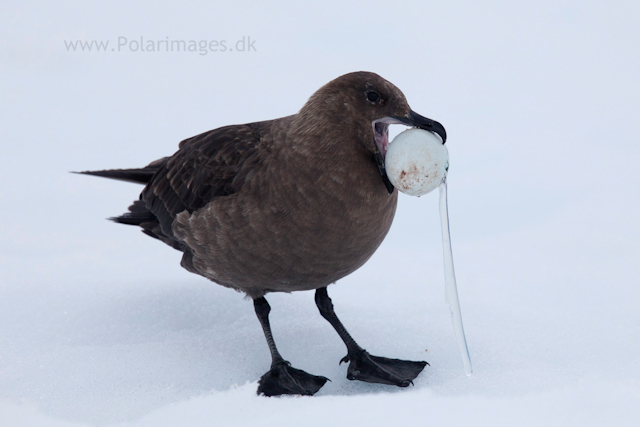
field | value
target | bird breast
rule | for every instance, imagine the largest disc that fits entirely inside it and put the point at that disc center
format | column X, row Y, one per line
column 297, row 225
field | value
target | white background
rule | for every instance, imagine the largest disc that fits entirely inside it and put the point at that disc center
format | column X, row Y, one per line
column 99, row 324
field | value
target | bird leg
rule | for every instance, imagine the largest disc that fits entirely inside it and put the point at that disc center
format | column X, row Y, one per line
column 363, row 366
column 282, row 378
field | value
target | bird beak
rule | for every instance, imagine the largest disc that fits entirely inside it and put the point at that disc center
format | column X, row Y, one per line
column 383, row 171
column 415, row 119
column 381, row 137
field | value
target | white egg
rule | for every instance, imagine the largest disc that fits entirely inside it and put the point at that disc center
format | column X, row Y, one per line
column 416, row 162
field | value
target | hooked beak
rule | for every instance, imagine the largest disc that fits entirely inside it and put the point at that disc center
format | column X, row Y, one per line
column 381, row 136
column 415, row 119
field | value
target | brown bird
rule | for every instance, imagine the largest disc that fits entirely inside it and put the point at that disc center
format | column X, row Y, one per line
column 290, row 204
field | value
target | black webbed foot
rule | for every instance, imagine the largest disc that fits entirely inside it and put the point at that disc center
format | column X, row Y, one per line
column 283, row 379
column 374, row 369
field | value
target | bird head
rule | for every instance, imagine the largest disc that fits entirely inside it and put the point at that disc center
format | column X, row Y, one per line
column 365, row 104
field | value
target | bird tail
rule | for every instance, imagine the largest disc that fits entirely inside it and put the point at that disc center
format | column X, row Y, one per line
column 138, row 175
column 138, row 214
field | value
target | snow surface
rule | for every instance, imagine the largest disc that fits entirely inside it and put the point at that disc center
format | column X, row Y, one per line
column 100, row 326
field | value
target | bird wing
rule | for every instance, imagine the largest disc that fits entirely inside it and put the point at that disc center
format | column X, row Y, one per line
column 213, row 164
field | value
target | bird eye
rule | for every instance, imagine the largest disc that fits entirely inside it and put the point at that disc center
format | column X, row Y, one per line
column 373, row 96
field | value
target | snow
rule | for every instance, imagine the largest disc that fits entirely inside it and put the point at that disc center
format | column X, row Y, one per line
column 239, row 407
column 99, row 325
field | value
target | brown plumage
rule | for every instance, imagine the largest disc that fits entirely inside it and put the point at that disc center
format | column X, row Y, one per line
column 283, row 205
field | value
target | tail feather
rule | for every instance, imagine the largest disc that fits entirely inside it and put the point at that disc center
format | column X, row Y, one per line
column 138, row 214
column 137, row 175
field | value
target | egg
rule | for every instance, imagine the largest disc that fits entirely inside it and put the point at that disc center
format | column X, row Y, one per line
column 416, row 162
